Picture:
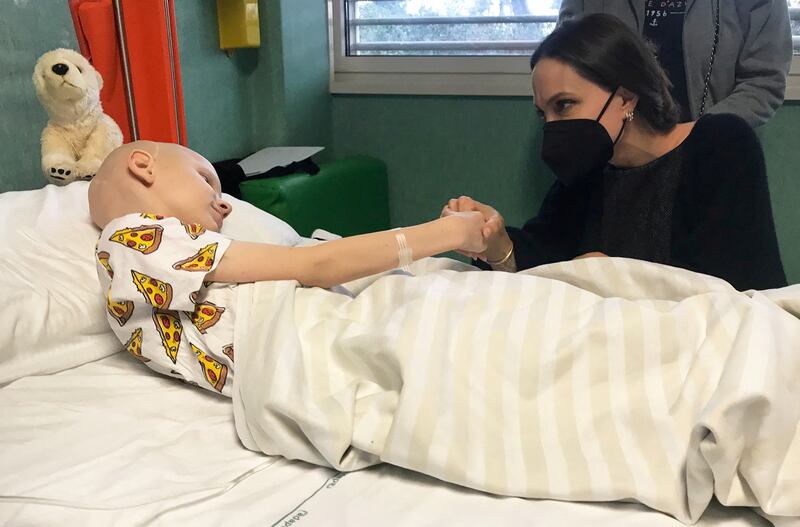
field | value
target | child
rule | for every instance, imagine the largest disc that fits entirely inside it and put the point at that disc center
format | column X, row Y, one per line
column 171, row 276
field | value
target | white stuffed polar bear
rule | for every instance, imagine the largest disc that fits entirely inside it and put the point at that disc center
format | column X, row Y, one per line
column 78, row 136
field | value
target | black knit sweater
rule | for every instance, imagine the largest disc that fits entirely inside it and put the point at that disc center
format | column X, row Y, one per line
column 703, row 206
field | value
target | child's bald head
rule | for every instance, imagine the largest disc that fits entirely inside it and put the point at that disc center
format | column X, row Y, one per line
column 158, row 178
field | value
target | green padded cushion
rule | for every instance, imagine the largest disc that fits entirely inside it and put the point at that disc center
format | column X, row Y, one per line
column 349, row 196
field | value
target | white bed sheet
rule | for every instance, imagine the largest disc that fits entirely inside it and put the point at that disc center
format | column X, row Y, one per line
column 109, row 443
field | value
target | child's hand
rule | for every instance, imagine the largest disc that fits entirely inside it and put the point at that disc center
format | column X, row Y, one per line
column 494, row 231
column 472, row 226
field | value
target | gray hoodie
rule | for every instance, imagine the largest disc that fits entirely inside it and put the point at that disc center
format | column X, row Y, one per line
column 753, row 55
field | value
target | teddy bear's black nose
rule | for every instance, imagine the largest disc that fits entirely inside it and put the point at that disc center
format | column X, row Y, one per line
column 60, row 69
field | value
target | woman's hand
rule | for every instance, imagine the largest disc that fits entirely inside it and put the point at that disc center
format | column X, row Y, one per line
column 494, row 232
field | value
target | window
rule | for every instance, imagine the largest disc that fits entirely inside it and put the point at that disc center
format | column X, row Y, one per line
column 793, row 82
column 447, row 27
column 794, row 15
column 453, row 47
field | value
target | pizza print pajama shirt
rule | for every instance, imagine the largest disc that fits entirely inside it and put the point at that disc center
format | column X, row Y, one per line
column 153, row 270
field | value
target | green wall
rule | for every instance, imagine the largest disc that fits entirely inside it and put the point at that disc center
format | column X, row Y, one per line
column 781, row 137
column 273, row 95
column 299, row 110
column 217, row 89
column 441, row 147
column 27, row 30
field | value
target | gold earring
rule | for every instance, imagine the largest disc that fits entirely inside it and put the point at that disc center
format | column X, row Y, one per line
column 629, row 116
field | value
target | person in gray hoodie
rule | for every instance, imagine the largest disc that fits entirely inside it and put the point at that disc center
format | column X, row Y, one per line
column 722, row 56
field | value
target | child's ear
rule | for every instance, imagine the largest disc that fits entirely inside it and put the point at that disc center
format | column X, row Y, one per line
column 140, row 165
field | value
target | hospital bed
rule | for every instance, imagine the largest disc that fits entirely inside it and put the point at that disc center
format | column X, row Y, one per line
column 90, row 437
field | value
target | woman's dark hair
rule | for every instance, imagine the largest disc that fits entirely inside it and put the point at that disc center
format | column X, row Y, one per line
column 603, row 50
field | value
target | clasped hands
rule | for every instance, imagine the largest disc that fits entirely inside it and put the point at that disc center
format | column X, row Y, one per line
column 489, row 240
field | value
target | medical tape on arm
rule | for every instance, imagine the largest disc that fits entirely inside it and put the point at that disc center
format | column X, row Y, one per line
column 404, row 255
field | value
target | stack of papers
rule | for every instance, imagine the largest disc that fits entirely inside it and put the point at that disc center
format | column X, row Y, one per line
column 278, row 156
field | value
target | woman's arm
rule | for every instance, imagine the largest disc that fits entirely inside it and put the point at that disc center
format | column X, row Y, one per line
column 340, row 261
column 553, row 235
column 557, row 232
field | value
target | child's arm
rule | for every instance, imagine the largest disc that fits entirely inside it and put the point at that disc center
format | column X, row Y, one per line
column 340, row 261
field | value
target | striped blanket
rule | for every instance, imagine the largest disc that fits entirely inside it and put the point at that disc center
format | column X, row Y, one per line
column 595, row 380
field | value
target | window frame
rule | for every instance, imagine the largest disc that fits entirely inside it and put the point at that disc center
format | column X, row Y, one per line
column 442, row 75
column 793, row 80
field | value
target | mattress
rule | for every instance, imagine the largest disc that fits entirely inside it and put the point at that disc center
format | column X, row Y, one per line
column 109, row 443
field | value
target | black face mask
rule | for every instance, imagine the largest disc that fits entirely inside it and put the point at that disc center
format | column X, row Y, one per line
column 576, row 148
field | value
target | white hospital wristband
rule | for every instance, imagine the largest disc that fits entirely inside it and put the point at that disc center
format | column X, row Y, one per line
column 404, row 255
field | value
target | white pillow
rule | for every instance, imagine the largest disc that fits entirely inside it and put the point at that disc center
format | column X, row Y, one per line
column 248, row 223
column 53, row 311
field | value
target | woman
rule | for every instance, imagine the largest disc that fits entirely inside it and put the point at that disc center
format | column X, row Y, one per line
column 632, row 182
column 722, row 56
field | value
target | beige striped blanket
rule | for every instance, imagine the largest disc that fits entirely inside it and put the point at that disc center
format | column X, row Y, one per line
column 595, row 380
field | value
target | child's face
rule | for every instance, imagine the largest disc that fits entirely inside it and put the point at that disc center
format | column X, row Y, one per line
column 189, row 187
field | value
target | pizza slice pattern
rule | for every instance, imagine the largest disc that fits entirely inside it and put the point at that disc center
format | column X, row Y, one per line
column 156, row 293
column 194, row 230
column 206, row 315
column 169, row 327
column 202, row 260
column 120, row 311
column 228, row 351
column 160, row 301
column 103, row 258
column 214, row 372
column 145, row 239
column 149, row 216
column 134, row 345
